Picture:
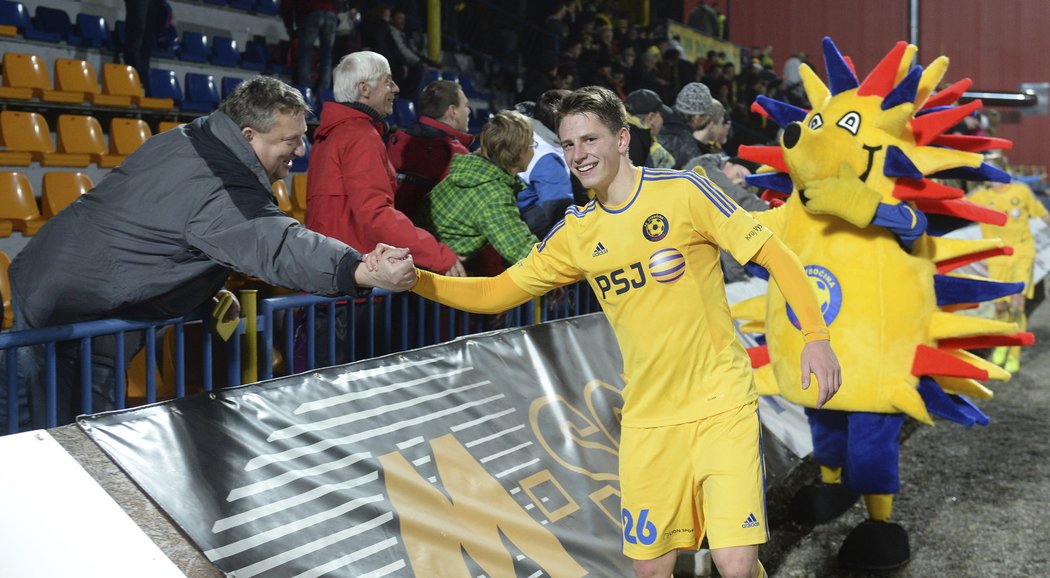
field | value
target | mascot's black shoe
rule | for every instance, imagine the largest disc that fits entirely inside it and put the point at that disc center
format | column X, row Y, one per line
column 821, row 503
column 875, row 547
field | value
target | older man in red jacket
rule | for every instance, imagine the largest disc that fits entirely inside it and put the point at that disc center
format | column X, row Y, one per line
column 351, row 183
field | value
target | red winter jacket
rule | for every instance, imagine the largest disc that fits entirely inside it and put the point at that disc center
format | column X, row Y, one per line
column 421, row 154
column 350, row 189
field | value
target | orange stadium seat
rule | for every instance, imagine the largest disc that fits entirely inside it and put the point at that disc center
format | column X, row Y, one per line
column 166, row 125
column 299, row 197
column 127, row 134
column 18, row 203
column 79, row 76
column 28, row 71
column 77, row 134
column 5, row 290
column 61, row 189
column 284, row 202
column 121, row 79
column 28, row 132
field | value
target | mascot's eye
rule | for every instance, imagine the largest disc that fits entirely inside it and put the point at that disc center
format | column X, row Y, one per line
column 816, row 122
column 850, row 121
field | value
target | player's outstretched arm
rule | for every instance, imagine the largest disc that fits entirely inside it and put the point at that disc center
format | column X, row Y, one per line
column 474, row 294
column 386, row 267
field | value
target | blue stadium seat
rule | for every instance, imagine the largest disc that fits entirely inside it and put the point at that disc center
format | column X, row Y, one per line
column 194, row 47
column 405, row 111
column 255, row 56
column 228, row 84
column 224, row 51
column 466, row 82
column 308, row 94
column 57, row 22
column 479, row 117
column 217, row 2
column 325, row 95
column 267, row 7
column 15, row 14
column 201, row 93
column 94, row 32
column 300, row 164
column 450, row 75
column 164, row 84
column 246, row 5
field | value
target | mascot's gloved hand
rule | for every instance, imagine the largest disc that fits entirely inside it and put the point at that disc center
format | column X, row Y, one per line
column 845, row 196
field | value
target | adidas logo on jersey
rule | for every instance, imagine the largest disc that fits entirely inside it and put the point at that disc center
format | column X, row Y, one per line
column 599, row 250
column 750, row 522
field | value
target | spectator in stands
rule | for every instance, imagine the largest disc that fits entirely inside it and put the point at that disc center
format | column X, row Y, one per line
column 422, row 152
column 548, row 190
column 792, row 76
column 350, row 189
column 310, row 21
column 158, row 237
column 714, row 134
column 414, row 63
column 646, row 73
column 729, row 174
column 474, row 206
column 140, row 25
column 691, row 113
column 645, row 119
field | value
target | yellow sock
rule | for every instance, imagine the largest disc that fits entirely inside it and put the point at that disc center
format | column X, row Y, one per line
column 880, row 506
column 830, row 475
column 761, row 570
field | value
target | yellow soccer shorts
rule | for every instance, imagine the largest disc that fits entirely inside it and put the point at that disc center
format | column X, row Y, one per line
column 1012, row 270
column 678, row 482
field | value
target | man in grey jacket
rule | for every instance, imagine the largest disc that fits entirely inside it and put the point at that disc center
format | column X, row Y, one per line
column 159, row 235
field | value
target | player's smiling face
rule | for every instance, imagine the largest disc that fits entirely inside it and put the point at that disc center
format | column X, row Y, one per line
column 592, row 151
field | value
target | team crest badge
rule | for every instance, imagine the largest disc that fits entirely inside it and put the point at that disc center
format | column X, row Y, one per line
column 828, row 291
column 655, row 227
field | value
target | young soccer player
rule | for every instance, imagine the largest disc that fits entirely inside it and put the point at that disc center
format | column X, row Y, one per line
column 690, row 456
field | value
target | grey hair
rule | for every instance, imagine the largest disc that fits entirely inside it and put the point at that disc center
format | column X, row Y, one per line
column 254, row 102
column 355, row 67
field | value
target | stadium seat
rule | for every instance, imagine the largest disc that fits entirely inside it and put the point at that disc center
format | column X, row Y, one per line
column 267, row 7
column 61, row 189
column 324, row 95
column 79, row 76
column 217, row 2
column 28, row 71
column 77, row 134
column 299, row 196
column 18, row 203
column 164, row 84
column 246, row 5
column 8, row 30
column 15, row 14
column 201, row 93
column 28, row 132
column 194, row 47
column 5, row 289
column 166, row 125
column 127, row 134
column 229, row 83
column 224, row 51
column 94, row 31
column 284, row 201
column 123, row 80
column 56, row 21
column 405, row 111
column 470, row 89
column 256, row 56
column 300, row 164
column 308, row 94
column 450, row 75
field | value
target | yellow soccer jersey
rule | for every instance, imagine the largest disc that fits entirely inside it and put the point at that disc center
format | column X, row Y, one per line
column 653, row 264
column 1020, row 205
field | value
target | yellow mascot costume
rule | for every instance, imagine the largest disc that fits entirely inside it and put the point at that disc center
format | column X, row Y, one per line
column 864, row 218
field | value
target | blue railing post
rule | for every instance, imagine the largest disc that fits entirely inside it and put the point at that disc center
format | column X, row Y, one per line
column 85, row 374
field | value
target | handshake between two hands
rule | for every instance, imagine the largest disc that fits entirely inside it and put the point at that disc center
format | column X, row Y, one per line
column 389, row 268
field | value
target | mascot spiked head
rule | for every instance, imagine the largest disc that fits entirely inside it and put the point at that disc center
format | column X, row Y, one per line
column 869, row 149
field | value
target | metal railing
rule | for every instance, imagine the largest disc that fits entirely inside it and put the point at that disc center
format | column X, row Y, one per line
column 289, row 331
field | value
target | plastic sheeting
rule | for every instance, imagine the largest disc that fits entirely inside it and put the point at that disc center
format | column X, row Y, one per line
column 490, row 455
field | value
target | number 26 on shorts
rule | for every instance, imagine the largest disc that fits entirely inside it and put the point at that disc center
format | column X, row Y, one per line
column 642, row 533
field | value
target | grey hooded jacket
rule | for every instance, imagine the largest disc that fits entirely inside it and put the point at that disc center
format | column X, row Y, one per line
column 158, row 236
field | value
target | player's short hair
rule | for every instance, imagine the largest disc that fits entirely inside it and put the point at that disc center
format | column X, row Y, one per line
column 505, row 138
column 437, row 97
column 601, row 102
column 356, row 67
column 255, row 101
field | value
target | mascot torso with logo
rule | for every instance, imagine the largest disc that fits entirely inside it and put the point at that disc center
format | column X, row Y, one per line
column 864, row 216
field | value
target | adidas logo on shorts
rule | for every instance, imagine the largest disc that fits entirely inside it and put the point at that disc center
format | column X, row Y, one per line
column 750, row 522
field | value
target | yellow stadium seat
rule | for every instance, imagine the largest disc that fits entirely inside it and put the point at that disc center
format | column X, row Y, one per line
column 5, row 290
column 299, row 196
column 127, row 134
column 28, row 71
column 123, row 80
column 78, row 134
column 284, row 202
column 28, row 132
column 61, row 189
column 166, row 125
column 8, row 30
column 18, row 204
column 79, row 76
